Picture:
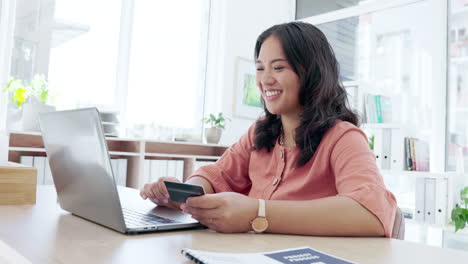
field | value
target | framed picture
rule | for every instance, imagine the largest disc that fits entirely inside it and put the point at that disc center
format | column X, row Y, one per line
column 248, row 97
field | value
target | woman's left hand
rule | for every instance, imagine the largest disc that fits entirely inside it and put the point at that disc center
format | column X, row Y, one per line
column 226, row 212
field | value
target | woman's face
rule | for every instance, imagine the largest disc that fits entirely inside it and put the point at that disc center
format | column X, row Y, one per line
column 278, row 82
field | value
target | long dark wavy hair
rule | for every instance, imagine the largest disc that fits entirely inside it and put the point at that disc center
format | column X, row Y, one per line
column 321, row 94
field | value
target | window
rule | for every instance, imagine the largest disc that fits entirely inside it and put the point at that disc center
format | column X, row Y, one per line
column 144, row 58
column 83, row 52
column 167, row 63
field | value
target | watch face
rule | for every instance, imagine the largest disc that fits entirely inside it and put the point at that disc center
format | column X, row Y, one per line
column 259, row 224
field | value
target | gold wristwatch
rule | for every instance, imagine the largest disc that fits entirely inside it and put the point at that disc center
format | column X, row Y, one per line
column 260, row 223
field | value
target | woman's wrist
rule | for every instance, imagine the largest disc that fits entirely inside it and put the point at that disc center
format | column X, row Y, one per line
column 203, row 182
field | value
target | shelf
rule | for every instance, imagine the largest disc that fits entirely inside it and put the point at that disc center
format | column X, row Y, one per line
column 24, row 143
column 123, row 153
column 425, row 174
column 22, row 149
column 110, row 123
column 181, row 156
column 381, row 125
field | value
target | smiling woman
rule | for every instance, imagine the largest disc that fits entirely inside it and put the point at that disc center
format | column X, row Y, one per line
column 305, row 164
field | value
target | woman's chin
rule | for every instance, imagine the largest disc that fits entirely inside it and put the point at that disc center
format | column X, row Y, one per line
column 273, row 111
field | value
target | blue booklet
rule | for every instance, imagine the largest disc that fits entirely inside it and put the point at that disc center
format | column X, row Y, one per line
column 305, row 255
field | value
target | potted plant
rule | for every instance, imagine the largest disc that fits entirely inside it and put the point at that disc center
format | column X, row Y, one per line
column 28, row 99
column 460, row 213
column 215, row 129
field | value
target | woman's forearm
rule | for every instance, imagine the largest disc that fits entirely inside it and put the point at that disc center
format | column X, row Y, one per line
column 330, row 216
column 201, row 181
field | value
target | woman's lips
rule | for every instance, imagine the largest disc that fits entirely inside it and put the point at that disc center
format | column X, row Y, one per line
column 271, row 95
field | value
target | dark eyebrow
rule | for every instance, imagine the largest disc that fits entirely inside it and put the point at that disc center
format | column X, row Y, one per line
column 273, row 61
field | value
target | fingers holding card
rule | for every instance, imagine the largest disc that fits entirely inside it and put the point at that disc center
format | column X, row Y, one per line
column 179, row 192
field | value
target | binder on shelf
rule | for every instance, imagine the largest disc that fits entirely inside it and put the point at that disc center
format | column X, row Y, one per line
column 378, row 108
column 39, row 164
column 430, row 200
column 171, row 168
column 180, row 170
column 386, row 109
column 155, row 169
column 441, row 199
column 382, row 148
column 122, row 178
column 48, row 179
column 408, row 161
column 420, row 194
column 162, row 168
column 27, row 160
column 115, row 169
column 412, row 153
column 146, row 171
column 397, row 151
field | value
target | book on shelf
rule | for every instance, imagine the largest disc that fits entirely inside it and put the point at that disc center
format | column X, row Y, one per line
column 304, row 255
column 416, row 154
column 378, row 108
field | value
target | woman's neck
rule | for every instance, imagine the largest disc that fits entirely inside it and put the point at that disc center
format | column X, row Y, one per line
column 289, row 124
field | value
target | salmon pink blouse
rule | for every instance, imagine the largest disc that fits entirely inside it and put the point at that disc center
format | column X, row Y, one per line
column 342, row 165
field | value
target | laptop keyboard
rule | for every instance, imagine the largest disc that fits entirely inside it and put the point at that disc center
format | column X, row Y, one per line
column 135, row 218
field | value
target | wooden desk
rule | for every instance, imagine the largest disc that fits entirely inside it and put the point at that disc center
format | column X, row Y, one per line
column 44, row 233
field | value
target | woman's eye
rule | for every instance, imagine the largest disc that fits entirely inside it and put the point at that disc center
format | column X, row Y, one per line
column 279, row 68
column 259, row 69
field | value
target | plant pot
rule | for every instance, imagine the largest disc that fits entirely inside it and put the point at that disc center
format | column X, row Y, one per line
column 213, row 134
column 30, row 117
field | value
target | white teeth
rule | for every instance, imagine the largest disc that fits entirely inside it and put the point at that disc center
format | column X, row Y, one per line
column 269, row 93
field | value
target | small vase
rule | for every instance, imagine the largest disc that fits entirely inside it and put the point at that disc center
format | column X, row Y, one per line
column 31, row 110
column 213, row 134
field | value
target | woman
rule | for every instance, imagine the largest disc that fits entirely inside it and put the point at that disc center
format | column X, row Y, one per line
column 307, row 158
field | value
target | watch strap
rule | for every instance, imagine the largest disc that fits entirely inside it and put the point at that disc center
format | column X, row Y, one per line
column 261, row 208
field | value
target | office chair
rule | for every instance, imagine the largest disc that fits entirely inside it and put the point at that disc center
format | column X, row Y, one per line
column 398, row 231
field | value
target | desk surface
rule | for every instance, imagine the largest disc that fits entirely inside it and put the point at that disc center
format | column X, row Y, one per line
column 44, row 233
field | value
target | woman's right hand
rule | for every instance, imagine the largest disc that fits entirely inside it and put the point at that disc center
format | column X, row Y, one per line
column 158, row 194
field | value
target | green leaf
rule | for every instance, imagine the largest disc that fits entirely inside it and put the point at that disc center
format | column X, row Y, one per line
column 459, row 217
column 19, row 96
column 213, row 121
column 464, row 195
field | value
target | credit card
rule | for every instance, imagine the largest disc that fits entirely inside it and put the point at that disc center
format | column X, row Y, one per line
column 179, row 192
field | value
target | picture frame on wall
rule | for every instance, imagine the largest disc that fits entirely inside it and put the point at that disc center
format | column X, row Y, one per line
column 247, row 94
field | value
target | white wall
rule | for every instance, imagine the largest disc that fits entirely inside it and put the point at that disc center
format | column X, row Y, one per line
column 234, row 28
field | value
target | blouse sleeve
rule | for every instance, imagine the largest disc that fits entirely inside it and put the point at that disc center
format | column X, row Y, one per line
column 357, row 177
column 231, row 172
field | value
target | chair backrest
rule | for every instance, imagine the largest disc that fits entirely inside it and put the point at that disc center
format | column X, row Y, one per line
column 398, row 231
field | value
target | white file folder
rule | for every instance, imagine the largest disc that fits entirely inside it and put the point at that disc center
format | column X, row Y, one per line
column 429, row 203
column 383, row 147
column 146, row 171
column 397, row 151
column 48, row 180
column 420, row 197
column 39, row 164
column 441, row 198
column 122, row 176
column 155, row 170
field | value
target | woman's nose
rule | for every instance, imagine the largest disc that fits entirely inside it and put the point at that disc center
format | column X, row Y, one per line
column 267, row 79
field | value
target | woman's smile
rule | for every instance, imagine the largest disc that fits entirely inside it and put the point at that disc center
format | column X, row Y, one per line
column 272, row 94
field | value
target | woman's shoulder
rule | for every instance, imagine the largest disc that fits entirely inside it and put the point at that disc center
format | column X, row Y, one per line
column 340, row 128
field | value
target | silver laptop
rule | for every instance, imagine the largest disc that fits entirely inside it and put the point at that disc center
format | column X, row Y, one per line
column 86, row 186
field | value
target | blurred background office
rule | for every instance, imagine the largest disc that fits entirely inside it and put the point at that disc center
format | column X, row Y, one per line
column 162, row 66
